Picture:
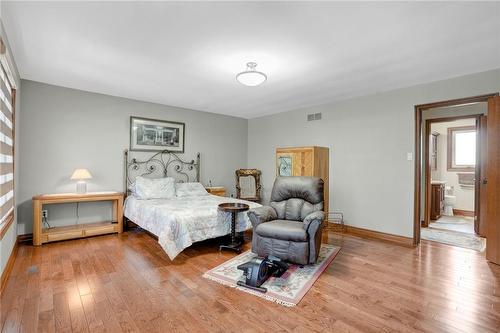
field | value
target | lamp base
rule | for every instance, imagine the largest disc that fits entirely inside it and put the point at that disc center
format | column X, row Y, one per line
column 81, row 187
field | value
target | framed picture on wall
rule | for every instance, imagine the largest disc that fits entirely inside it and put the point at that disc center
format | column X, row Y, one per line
column 156, row 135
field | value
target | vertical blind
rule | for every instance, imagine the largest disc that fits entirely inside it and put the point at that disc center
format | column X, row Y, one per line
column 6, row 149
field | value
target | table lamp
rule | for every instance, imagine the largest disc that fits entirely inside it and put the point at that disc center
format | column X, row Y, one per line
column 81, row 175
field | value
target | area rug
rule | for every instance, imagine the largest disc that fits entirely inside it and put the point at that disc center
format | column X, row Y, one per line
column 454, row 223
column 286, row 290
column 468, row 241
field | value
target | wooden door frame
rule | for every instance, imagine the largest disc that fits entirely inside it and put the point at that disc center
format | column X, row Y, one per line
column 418, row 151
column 481, row 191
column 427, row 173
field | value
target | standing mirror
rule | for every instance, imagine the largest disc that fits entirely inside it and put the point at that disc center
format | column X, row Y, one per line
column 248, row 184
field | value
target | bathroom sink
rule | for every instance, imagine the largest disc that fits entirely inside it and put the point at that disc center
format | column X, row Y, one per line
column 438, row 182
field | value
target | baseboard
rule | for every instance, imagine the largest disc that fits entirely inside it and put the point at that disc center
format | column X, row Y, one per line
column 8, row 268
column 335, row 227
column 26, row 238
column 460, row 212
column 365, row 233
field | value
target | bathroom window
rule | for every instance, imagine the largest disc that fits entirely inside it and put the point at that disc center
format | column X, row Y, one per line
column 462, row 148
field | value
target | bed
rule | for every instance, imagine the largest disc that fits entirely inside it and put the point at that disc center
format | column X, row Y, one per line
column 177, row 221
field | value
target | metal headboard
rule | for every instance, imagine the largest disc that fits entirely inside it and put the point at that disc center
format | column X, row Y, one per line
column 162, row 164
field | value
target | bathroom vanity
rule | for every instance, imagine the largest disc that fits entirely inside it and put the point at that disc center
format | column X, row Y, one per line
column 437, row 199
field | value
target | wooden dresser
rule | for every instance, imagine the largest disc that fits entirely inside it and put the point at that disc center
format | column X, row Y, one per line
column 437, row 200
column 305, row 161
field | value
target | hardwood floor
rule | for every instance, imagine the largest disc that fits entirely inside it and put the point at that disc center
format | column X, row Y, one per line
column 127, row 283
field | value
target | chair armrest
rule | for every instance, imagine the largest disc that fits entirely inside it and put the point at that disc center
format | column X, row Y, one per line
column 315, row 218
column 261, row 214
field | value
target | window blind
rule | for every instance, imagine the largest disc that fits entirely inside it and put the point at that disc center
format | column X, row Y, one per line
column 6, row 149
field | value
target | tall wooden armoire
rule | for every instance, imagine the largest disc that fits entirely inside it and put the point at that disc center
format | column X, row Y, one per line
column 305, row 161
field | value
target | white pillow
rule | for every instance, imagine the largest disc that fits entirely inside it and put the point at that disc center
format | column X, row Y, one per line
column 154, row 188
column 190, row 190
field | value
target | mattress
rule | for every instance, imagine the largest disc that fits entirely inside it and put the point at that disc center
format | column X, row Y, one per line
column 181, row 221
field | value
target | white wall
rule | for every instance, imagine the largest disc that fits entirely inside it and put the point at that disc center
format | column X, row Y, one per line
column 371, row 180
column 9, row 239
column 464, row 196
column 64, row 129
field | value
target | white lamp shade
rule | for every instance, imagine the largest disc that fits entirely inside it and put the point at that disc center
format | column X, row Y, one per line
column 251, row 77
column 81, row 174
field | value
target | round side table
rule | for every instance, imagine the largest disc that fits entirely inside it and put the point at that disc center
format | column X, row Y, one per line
column 234, row 208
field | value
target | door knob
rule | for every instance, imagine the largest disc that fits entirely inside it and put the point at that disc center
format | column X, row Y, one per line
column 485, row 181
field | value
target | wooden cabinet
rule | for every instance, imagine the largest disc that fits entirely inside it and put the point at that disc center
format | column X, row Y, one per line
column 437, row 200
column 305, row 161
column 44, row 235
column 216, row 190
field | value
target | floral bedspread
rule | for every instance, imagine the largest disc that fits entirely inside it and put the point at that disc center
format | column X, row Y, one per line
column 179, row 222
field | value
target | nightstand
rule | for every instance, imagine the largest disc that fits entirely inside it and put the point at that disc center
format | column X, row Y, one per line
column 216, row 190
column 44, row 235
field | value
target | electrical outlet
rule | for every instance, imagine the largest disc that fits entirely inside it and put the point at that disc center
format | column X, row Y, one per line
column 45, row 213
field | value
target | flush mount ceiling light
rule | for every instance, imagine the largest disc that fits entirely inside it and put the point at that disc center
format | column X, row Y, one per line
column 251, row 77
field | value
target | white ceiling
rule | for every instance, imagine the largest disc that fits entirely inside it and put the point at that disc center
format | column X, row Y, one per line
column 187, row 54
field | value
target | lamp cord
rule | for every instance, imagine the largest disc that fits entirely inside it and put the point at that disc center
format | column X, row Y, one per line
column 77, row 213
column 44, row 220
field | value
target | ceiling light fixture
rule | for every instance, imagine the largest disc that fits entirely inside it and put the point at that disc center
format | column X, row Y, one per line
column 251, row 77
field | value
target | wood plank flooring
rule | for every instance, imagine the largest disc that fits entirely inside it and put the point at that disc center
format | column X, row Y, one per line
column 127, row 283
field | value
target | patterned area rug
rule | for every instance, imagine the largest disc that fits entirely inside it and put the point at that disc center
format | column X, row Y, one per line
column 468, row 241
column 287, row 290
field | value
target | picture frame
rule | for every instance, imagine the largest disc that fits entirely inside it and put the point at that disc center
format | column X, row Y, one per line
column 156, row 135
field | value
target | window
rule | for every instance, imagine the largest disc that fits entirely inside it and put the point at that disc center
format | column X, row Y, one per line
column 7, row 98
column 462, row 148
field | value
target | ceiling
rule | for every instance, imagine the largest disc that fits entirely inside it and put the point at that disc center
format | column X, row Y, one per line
column 187, row 54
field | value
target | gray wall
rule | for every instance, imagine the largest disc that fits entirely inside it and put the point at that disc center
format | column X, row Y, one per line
column 10, row 237
column 64, row 129
column 369, row 138
column 371, row 180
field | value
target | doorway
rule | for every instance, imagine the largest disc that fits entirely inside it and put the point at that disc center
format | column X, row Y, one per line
column 452, row 161
column 492, row 155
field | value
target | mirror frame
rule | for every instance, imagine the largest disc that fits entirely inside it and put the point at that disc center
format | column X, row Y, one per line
column 245, row 173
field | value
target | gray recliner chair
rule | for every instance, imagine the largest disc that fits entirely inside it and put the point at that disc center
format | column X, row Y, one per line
column 291, row 227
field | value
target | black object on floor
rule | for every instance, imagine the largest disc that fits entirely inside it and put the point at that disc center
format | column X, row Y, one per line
column 258, row 270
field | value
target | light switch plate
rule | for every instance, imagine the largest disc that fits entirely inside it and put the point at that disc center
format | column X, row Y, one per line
column 409, row 156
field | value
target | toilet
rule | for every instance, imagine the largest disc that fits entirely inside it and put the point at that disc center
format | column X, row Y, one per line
column 449, row 201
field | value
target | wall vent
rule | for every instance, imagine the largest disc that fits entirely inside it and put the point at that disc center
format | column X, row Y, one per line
column 313, row 116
